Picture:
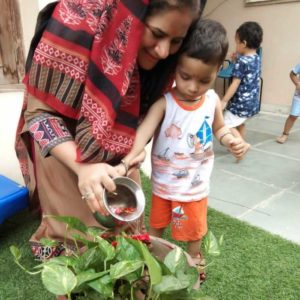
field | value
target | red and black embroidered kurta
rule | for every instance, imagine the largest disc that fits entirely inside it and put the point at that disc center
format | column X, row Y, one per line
column 84, row 67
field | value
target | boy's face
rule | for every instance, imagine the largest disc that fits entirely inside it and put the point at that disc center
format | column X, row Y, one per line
column 194, row 77
column 240, row 46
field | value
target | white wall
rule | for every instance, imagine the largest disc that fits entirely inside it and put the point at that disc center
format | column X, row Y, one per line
column 43, row 3
column 29, row 10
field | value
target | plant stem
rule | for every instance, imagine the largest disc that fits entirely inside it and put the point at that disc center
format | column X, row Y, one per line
column 27, row 271
column 149, row 292
column 131, row 293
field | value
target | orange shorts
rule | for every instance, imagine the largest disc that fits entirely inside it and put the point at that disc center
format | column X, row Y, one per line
column 188, row 219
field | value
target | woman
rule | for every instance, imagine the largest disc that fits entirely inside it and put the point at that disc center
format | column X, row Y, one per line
column 96, row 69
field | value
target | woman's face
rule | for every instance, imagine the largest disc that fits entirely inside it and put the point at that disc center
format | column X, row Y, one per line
column 163, row 36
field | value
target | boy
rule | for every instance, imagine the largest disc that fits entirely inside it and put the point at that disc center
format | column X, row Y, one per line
column 295, row 109
column 243, row 92
column 183, row 121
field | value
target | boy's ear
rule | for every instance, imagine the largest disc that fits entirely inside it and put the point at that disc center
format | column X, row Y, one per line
column 244, row 43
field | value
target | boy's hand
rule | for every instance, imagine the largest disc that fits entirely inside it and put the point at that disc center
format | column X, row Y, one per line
column 233, row 56
column 138, row 160
column 238, row 147
column 133, row 163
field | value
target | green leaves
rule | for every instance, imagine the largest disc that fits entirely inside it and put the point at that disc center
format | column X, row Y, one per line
column 169, row 283
column 58, row 280
column 126, row 250
column 124, row 268
column 211, row 244
column 15, row 252
column 102, row 271
column 104, row 286
column 154, row 268
column 183, row 276
column 176, row 260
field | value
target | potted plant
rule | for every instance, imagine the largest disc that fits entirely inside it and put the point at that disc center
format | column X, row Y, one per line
column 118, row 267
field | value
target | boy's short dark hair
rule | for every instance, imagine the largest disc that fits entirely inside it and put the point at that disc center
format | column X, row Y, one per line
column 251, row 33
column 207, row 41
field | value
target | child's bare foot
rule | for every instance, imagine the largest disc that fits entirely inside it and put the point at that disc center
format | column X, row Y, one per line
column 283, row 138
column 200, row 264
column 247, row 147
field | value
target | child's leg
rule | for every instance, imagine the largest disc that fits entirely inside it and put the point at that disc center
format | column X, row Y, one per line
column 289, row 123
column 160, row 215
column 189, row 224
column 242, row 131
column 193, row 248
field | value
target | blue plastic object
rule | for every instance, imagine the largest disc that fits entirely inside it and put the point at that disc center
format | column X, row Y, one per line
column 226, row 72
column 13, row 198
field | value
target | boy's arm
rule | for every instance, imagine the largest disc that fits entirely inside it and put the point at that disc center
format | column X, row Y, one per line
column 236, row 146
column 295, row 80
column 230, row 91
column 144, row 133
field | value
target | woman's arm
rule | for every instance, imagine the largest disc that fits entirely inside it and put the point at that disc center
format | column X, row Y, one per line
column 92, row 178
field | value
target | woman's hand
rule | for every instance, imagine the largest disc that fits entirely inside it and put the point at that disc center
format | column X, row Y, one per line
column 92, row 180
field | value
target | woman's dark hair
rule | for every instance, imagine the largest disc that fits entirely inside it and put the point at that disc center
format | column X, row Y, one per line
column 153, row 82
column 207, row 41
column 158, row 6
column 251, row 33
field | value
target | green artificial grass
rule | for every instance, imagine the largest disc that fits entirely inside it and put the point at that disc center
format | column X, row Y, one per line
column 253, row 263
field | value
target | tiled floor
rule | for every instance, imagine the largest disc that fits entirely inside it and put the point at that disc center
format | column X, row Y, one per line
column 263, row 189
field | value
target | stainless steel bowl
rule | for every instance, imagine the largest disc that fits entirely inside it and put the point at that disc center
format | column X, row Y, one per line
column 128, row 194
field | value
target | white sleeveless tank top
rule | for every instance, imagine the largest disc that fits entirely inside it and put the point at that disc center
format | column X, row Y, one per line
column 182, row 153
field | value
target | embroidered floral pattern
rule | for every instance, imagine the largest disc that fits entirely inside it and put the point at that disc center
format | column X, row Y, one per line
column 114, row 52
column 131, row 77
column 97, row 14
